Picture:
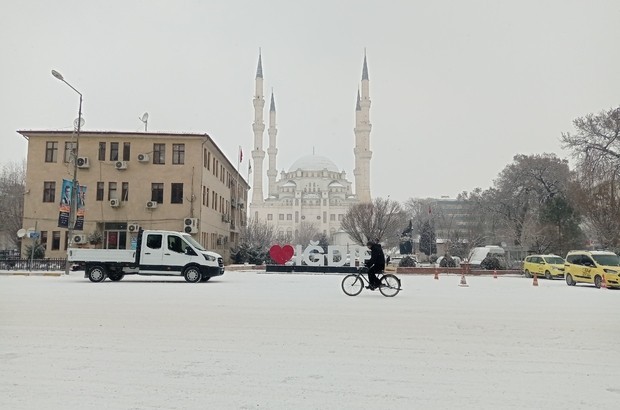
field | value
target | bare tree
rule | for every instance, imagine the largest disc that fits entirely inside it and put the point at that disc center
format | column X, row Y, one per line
column 305, row 233
column 596, row 147
column 256, row 239
column 381, row 219
column 12, row 189
column 596, row 144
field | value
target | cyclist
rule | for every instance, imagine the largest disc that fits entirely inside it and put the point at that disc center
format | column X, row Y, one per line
column 376, row 264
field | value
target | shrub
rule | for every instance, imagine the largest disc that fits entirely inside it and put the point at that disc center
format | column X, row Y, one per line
column 447, row 262
column 407, row 262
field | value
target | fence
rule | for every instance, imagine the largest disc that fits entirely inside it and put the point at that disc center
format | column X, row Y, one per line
column 37, row 264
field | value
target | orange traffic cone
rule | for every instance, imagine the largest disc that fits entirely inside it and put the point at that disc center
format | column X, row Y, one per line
column 436, row 274
column 463, row 281
column 494, row 273
column 535, row 282
column 603, row 282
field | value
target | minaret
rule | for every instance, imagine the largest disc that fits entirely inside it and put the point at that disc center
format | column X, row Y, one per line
column 362, row 140
column 272, row 151
column 258, row 127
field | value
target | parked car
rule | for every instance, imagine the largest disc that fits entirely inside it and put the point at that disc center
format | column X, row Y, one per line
column 549, row 266
column 592, row 267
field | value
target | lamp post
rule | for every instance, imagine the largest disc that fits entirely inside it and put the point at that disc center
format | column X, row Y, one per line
column 74, row 190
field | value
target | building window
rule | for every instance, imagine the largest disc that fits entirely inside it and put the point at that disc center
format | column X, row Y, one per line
column 51, row 151
column 208, row 160
column 176, row 193
column 126, row 151
column 157, row 192
column 178, row 154
column 340, row 217
column 324, row 217
column 206, row 203
column 70, row 148
column 112, row 190
column 270, row 217
column 114, row 151
column 44, row 239
column 289, row 217
column 100, row 188
column 49, row 191
column 280, row 217
column 101, row 154
column 332, row 217
column 159, row 153
column 125, row 191
column 55, row 240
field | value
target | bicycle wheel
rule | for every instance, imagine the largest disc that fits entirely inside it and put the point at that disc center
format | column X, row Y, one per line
column 352, row 285
column 390, row 285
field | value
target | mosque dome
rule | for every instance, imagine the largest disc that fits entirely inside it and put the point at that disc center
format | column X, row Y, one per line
column 313, row 163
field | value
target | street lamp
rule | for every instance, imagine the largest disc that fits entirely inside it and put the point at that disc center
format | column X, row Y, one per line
column 74, row 190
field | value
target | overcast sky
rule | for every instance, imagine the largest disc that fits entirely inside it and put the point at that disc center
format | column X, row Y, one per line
column 457, row 87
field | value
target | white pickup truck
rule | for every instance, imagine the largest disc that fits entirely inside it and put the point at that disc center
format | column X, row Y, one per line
column 164, row 253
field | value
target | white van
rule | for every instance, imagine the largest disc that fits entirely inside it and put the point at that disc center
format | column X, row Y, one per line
column 477, row 255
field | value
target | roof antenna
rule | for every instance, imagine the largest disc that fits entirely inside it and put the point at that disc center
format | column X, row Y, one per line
column 145, row 120
column 313, row 150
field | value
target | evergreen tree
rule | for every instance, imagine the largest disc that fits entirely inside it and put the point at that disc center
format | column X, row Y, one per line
column 428, row 240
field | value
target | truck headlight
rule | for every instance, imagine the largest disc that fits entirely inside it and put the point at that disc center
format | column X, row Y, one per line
column 209, row 257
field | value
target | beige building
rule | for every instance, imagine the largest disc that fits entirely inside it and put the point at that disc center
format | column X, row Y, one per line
column 314, row 190
column 170, row 181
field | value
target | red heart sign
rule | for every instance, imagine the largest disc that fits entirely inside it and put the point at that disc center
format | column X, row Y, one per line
column 281, row 254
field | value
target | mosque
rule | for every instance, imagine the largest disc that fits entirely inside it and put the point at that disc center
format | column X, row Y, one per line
column 314, row 193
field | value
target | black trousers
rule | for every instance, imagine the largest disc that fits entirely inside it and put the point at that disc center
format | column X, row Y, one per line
column 372, row 277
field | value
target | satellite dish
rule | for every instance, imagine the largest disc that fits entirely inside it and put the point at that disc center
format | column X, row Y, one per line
column 144, row 119
column 21, row 233
column 75, row 122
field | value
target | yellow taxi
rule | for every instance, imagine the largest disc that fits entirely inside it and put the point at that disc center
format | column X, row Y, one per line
column 549, row 266
column 591, row 267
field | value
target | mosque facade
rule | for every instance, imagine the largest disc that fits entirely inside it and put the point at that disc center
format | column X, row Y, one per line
column 314, row 193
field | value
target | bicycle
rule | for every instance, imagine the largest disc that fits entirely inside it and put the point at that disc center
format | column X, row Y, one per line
column 353, row 283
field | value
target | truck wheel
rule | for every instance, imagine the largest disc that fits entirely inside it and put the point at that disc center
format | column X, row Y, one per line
column 96, row 273
column 548, row 275
column 192, row 274
column 528, row 274
column 115, row 277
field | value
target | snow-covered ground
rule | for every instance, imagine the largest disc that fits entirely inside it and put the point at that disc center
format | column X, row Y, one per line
column 291, row 341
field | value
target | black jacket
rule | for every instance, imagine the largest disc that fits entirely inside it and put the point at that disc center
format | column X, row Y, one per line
column 377, row 258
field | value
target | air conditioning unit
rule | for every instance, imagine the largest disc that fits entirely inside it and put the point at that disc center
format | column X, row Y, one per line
column 143, row 157
column 190, row 225
column 225, row 218
column 133, row 227
column 120, row 165
column 79, row 239
column 115, row 203
column 240, row 203
column 83, row 162
column 219, row 241
column 151, row 204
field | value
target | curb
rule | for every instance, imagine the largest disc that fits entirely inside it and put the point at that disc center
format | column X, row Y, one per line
column 25, row 273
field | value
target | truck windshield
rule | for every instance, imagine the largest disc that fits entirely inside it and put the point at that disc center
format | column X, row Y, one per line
column 193, row 242
column 555, row 260
column 607, row 260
